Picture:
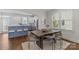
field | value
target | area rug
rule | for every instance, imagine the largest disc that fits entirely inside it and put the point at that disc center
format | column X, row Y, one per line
column 31, row 45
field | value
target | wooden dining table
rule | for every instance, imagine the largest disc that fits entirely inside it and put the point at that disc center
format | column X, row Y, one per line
column 40, row 34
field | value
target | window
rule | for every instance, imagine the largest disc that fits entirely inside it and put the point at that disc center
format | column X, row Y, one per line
column 62, row 20
column 66, row 20
column 5, row 22
column 31, row 21
column 18, row 20
column 24, row 20
column 55, row 21
column 15, row 20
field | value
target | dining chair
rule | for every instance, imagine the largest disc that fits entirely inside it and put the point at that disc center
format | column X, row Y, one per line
column 31, row 39
column 58, row 37
column 52, row 40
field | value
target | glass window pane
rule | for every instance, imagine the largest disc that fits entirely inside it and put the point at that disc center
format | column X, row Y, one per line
column 24, row 20
column 66, row 20
column 56, row 21
column 5, row 23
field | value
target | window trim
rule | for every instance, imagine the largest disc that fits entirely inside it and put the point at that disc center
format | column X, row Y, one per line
column 60, row 26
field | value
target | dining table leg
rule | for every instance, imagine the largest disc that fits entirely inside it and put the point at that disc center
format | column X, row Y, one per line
column 40, row 43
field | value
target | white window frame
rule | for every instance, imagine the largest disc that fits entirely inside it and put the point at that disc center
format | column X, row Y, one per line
column 24, row 21
column 66, row 18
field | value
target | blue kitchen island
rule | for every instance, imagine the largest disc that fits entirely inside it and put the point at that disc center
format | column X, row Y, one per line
column 16, row 31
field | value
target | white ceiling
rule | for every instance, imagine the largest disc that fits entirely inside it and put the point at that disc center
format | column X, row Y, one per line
column 39, row 10
column 27, row 11
column 34, row 11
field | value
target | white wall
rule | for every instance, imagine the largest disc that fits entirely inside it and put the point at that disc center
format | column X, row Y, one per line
column 68, row 34
column 76, row 24
column 41, row 15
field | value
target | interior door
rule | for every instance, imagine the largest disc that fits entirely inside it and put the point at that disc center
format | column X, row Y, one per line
column 5, row 23
column 1, row 25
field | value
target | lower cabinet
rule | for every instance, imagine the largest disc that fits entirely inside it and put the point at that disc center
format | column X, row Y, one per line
column 17, row 34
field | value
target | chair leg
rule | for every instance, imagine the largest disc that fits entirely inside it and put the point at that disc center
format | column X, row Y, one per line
column 29, row 45
column 53, row 43
column 29, row 41
column 61, row 43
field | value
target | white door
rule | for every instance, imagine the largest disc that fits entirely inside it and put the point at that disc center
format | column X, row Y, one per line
column 1, row 25
column 5, row 23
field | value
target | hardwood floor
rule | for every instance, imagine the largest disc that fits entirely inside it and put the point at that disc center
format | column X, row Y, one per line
column 73, row 46
column 4, row 42
column 15, row 43
column 11, row 44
